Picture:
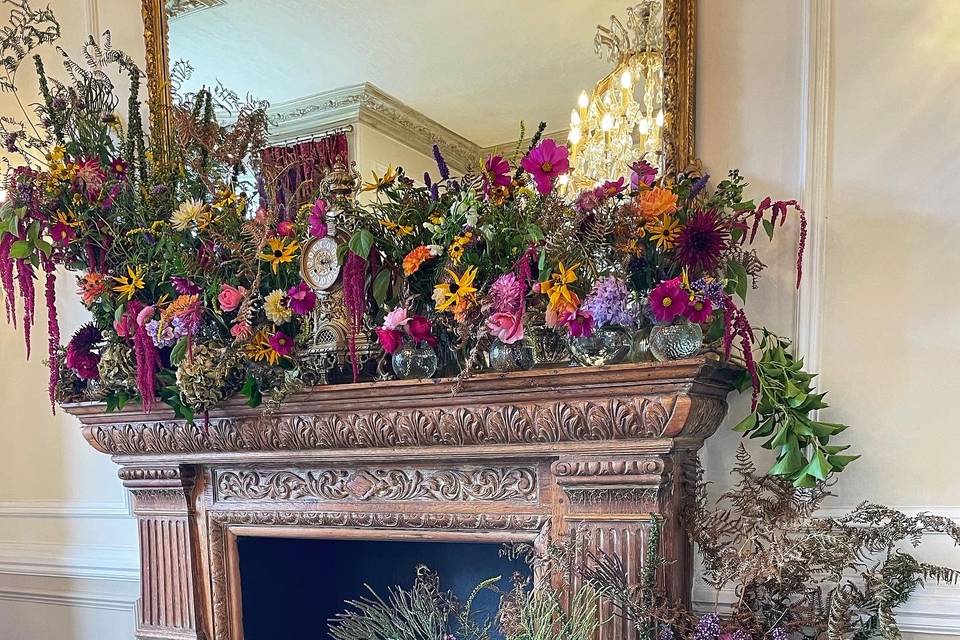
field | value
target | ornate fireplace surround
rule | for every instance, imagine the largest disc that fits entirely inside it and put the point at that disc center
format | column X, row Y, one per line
column 512, row 457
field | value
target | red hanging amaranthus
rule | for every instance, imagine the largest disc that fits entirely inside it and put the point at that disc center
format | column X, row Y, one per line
column 145, row 351
column 354, row 301
column 53, row 331
column 778, row 212
column 736, row 325
column 25, row 277
column 6, row 279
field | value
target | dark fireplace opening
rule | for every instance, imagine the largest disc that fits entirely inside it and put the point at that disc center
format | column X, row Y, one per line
column 291, row 587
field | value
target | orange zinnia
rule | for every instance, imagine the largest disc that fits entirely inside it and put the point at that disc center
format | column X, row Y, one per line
column 656, row 202
column 413, row 260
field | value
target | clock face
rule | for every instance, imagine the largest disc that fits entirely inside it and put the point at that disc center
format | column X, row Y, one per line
column 319, row 263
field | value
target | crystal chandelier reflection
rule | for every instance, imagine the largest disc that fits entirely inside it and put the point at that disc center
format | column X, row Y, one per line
column 622, row 120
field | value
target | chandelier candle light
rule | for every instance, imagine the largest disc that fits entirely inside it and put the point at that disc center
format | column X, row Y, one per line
column 622, row 120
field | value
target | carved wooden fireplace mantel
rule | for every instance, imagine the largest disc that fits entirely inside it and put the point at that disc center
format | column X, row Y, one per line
column 512, row 457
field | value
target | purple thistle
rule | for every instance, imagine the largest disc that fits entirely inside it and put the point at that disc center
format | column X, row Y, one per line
column 441, row 163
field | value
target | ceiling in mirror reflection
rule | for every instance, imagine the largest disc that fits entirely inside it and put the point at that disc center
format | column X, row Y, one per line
column 478, row 68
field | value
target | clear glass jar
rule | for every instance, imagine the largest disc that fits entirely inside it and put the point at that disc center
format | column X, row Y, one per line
column 414, row 361
column 608, row 344
column 518, row 356
column 682, row 339
column 640, row 349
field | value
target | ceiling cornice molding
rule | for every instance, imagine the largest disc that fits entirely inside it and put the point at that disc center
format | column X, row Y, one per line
column 367, row 104
column 180, row 8
column 509, row 149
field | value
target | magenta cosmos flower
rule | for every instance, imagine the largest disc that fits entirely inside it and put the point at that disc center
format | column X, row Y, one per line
column 546, row 162
column 699, row 311
column 281, row 343
column 668, row 300
column 496, row 173
column 302, row 299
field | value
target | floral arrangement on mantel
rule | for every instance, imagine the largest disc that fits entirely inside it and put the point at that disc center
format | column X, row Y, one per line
column 193, row 280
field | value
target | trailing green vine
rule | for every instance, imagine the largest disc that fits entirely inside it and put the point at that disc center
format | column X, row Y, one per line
column 805, row 454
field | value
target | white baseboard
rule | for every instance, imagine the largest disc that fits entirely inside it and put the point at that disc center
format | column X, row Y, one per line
column 97, row 562
column 934, row 609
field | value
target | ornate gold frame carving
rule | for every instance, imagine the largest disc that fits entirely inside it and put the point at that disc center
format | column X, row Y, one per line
column 679, row 78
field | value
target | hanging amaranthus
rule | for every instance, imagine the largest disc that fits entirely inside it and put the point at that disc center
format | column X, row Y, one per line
column 354, row 301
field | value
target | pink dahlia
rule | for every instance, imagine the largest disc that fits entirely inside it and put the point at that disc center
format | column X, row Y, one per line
column 496, row 173
column 546, row 162
column 285, row 228
column 507, row 294
column 668, row 300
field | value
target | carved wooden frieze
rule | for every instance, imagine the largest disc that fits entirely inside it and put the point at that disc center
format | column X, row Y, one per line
column 445, row 485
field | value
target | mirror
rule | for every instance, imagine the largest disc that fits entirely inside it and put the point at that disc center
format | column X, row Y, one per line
column 398, row 77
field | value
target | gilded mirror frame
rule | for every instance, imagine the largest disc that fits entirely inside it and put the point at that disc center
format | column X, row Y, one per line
column 679, row 76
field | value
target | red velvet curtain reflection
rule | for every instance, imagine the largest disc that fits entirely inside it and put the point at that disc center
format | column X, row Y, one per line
column 295, row 171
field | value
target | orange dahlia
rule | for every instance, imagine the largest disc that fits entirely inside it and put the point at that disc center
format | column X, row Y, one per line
column 656, row 202
column 413, row 260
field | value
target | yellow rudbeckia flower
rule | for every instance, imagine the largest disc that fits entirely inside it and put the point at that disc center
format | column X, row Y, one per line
column 278, row 252
column 448, row 294
column 128, row 285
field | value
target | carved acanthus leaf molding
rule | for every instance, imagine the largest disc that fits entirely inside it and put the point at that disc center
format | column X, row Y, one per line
column 381, row 520
column 559, row 421
column 487, row 484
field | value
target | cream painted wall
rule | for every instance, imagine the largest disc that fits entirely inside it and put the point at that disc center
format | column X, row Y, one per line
column 889, row 343
column 68, row 558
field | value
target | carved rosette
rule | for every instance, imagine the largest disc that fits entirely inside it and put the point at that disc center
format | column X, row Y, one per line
column 484, row 484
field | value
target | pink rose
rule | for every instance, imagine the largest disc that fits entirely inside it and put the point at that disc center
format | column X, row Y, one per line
column 230, row 297
column 241, row 330
column 390, row 339
column 508, row 327
column 396, row 319
column 421, row 330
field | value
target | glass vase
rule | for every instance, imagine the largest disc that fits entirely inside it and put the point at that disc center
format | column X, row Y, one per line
column 682, row 339
column 640, row 348
column 518, row 356
column 413, row 361
column 608, row 344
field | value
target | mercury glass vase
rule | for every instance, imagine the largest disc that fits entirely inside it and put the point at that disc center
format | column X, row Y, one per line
column 413, row 361
column 608, row 344
column 518, row 356
column 682, row 339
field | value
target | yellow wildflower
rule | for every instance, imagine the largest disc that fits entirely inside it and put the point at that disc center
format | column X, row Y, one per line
column 380, row 183
column 665, row 232
column 278, row 252
column 259, row 349
column 390, row 225
column 557, row 288
column 447, row 294
column 458, row 246
column 128, row 285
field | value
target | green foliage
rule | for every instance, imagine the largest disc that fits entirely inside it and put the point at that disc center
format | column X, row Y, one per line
column 805, row 454
column 544, row 617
